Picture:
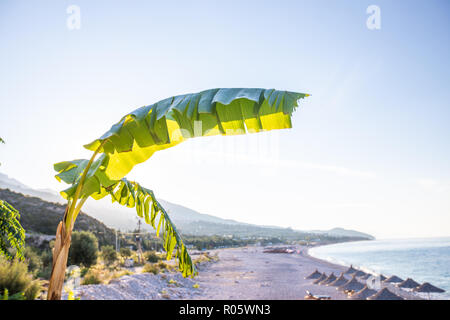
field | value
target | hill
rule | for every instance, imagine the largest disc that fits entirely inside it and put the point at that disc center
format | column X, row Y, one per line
column 188, row 221
column 42, row 217
column 341, row 232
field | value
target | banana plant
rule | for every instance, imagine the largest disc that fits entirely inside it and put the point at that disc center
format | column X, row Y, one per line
column 142, row 132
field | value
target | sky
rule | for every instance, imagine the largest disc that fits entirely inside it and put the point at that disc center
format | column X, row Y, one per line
column 369, row 149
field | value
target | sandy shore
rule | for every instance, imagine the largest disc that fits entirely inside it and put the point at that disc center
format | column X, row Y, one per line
column 249, row 273
column 240, row 273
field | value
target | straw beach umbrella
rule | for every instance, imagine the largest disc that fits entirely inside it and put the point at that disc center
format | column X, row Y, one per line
column 360, row 273
column 366, row 276
column 340, row 281
column 329, row 279
column 350, row 270
column 385, row 294
column 321, row 278
column 393, row 279
column 364, row 293
column 351, row 285
column 408, row 284
column 427, row 287
column 315, row 275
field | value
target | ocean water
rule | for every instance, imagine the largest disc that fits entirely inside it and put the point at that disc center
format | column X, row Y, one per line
column 424, row 260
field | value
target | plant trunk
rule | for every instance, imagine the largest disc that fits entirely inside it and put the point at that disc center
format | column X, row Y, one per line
column 60, row 255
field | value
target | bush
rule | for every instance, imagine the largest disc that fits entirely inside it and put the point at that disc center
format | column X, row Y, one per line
column 91, row 277
column 125, row 252
column 162, row 265
column 151, row 256
column 84, row 248
column 150, row 268
column 46, row 268
column 33, row 260
column 109, row 255
column 15, row 278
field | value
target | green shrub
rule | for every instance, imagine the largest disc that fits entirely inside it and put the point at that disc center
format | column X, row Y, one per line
column 83, row 271
column 150, row 268
column 84, row 248
column 151, row 256
column 17, row 296
column 46, row 268
column 109, row 255
column 91, row 277
column 33, row 260
column 15, row 278
column 33, row 290
column 125, row 252
column 162, row 265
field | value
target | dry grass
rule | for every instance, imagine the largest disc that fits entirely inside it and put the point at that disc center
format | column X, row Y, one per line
column 100, row 274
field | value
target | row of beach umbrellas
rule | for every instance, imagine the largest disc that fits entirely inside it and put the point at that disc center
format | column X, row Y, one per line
column 357, row 290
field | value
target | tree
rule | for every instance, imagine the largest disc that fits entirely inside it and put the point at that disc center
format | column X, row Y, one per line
column 12, row 235
column 84, row 248
column 109, row 255
column 125, row 252
column 137, row 136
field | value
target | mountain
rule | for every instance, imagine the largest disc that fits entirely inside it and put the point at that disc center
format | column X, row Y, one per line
column 42, row 217
column 187, row 220
column 341, row 232
column 12, row 184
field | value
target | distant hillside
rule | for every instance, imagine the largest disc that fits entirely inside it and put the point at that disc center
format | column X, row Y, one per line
column 188, row 221
column 39, row 216
column 14, row 185
column 340, row 232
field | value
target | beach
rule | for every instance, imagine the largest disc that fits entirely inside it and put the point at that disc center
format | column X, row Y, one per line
column 249, row 273
column 246, row 273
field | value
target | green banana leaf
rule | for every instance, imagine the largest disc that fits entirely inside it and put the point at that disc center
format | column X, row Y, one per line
column 227, row 111
column 139, row 134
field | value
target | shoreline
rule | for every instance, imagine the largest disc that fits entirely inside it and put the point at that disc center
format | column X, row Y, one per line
column 243, row 273
column 409, row 295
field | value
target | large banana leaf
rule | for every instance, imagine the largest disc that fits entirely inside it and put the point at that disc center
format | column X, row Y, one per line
column 164, row 124
column 225, row 111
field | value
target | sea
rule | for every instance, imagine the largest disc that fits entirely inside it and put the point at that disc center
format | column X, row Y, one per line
column 424, row 260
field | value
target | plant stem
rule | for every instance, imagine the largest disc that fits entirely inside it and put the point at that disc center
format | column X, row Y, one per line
column 71, row 212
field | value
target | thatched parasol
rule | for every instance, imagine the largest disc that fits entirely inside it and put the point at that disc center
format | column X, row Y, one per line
column 364, row 293
column 366, row 276
column 315, row 275
column 428, row 288
column 408, row 284
column 321, row 278
column 341, row 280
column 351, row 285
column 393, row 279
column 360, row 273
column 329, row 279
column 385, row 294
column 350, row 270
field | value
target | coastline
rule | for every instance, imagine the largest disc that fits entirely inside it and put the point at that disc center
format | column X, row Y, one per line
column 244, row 273
column 408, row 295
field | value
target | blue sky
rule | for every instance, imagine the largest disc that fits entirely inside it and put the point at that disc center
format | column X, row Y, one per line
column 368, row 150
